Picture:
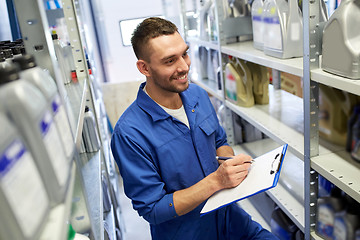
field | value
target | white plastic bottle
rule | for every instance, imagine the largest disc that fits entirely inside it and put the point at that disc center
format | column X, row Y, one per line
column 28, row 110
column 340, row 42
column 283, row 29
column 46, row 84
column 257, row 9
column 60, row 55
column 24, row 202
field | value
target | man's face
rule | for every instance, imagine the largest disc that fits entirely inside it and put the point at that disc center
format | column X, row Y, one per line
column 169, row 63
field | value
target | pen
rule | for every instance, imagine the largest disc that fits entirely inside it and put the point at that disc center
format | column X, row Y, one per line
column 226, row 158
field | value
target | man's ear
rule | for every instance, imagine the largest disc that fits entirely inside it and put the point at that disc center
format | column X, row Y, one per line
column 143, row 67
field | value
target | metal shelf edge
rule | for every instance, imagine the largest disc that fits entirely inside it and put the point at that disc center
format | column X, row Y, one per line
column 342, row 83
column 210, row 87
column 246, row 51
column 76, row 99
column 197, row 41
column 339, row 171
column 91, row 173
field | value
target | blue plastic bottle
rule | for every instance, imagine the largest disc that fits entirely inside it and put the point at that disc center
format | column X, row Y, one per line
column 327, row 207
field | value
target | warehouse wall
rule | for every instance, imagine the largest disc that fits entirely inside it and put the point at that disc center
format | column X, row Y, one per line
column 120, row 60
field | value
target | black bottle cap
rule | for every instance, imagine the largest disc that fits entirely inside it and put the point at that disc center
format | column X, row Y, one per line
column 15, row 50
column 25, row 61
column 5, row 42
column 9, row 73
column 19, row 40
column 7, row 53
column 54, row 36
column 2, row 57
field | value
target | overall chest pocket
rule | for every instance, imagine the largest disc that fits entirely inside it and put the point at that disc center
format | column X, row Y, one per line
column 208, row 126
column 206, row 144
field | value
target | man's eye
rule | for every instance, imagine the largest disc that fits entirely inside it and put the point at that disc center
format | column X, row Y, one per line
column 170, row 61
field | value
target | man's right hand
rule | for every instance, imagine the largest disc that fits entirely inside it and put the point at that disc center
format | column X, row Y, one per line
column 233, row 171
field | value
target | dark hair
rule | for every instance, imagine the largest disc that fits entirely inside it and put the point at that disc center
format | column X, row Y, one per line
column 150, row 28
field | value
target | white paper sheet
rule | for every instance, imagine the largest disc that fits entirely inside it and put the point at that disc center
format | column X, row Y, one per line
column 258, row 180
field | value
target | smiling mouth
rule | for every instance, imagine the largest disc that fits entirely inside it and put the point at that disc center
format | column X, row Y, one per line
column 181, row 78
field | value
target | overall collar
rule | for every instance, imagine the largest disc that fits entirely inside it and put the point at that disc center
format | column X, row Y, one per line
column 147, row 104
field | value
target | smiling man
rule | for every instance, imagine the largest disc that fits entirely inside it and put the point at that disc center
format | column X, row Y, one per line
column 165, row 145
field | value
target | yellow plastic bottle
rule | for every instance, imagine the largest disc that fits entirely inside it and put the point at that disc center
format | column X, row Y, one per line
column 260, row 83
column 232, row 79
column 335, row 110
column 245, row 88
column 238, row 83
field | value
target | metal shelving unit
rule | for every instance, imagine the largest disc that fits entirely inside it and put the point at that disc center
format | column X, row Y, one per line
column 293, row 120
column 83, row 205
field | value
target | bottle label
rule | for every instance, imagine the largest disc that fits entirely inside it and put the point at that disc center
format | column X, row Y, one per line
column 340, row 230
column 62, row 122
column 295, row 31
column 325, row 223
column 54, row 147
column 22, row 185
column 230, row 85
column 273, row 31
column 258, row 27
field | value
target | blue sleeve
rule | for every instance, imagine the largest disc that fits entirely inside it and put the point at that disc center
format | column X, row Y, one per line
column 142, row 183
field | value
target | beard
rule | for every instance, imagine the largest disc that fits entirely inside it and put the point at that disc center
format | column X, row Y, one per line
column 170, row 85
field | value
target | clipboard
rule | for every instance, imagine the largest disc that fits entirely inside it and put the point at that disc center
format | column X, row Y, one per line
column 263, row 175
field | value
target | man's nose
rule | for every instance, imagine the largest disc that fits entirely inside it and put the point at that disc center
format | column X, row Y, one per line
column 184, row 64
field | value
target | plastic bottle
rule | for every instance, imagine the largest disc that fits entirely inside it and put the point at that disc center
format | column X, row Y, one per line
column 347, row 222
column 59, row 52
column 245, row 88
column 299, row 235
column 260, row 83
column 351, row 137
column 210, row 67
column 16, row 51
column 354, row 133
column 283, row 29
column 203, row 20
column 24, row 203
column 335, row 109
column 257, row 9
column 325, row 187
column 340, row 42
column 238, row 83
column 213, row 35
column 203, row 63
column 90, row 134
column 46, row 84
column 327, row 207
column 28, row 110
column 3, row 63
column 281, row 225
column 232, row 78
column 8, row 55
